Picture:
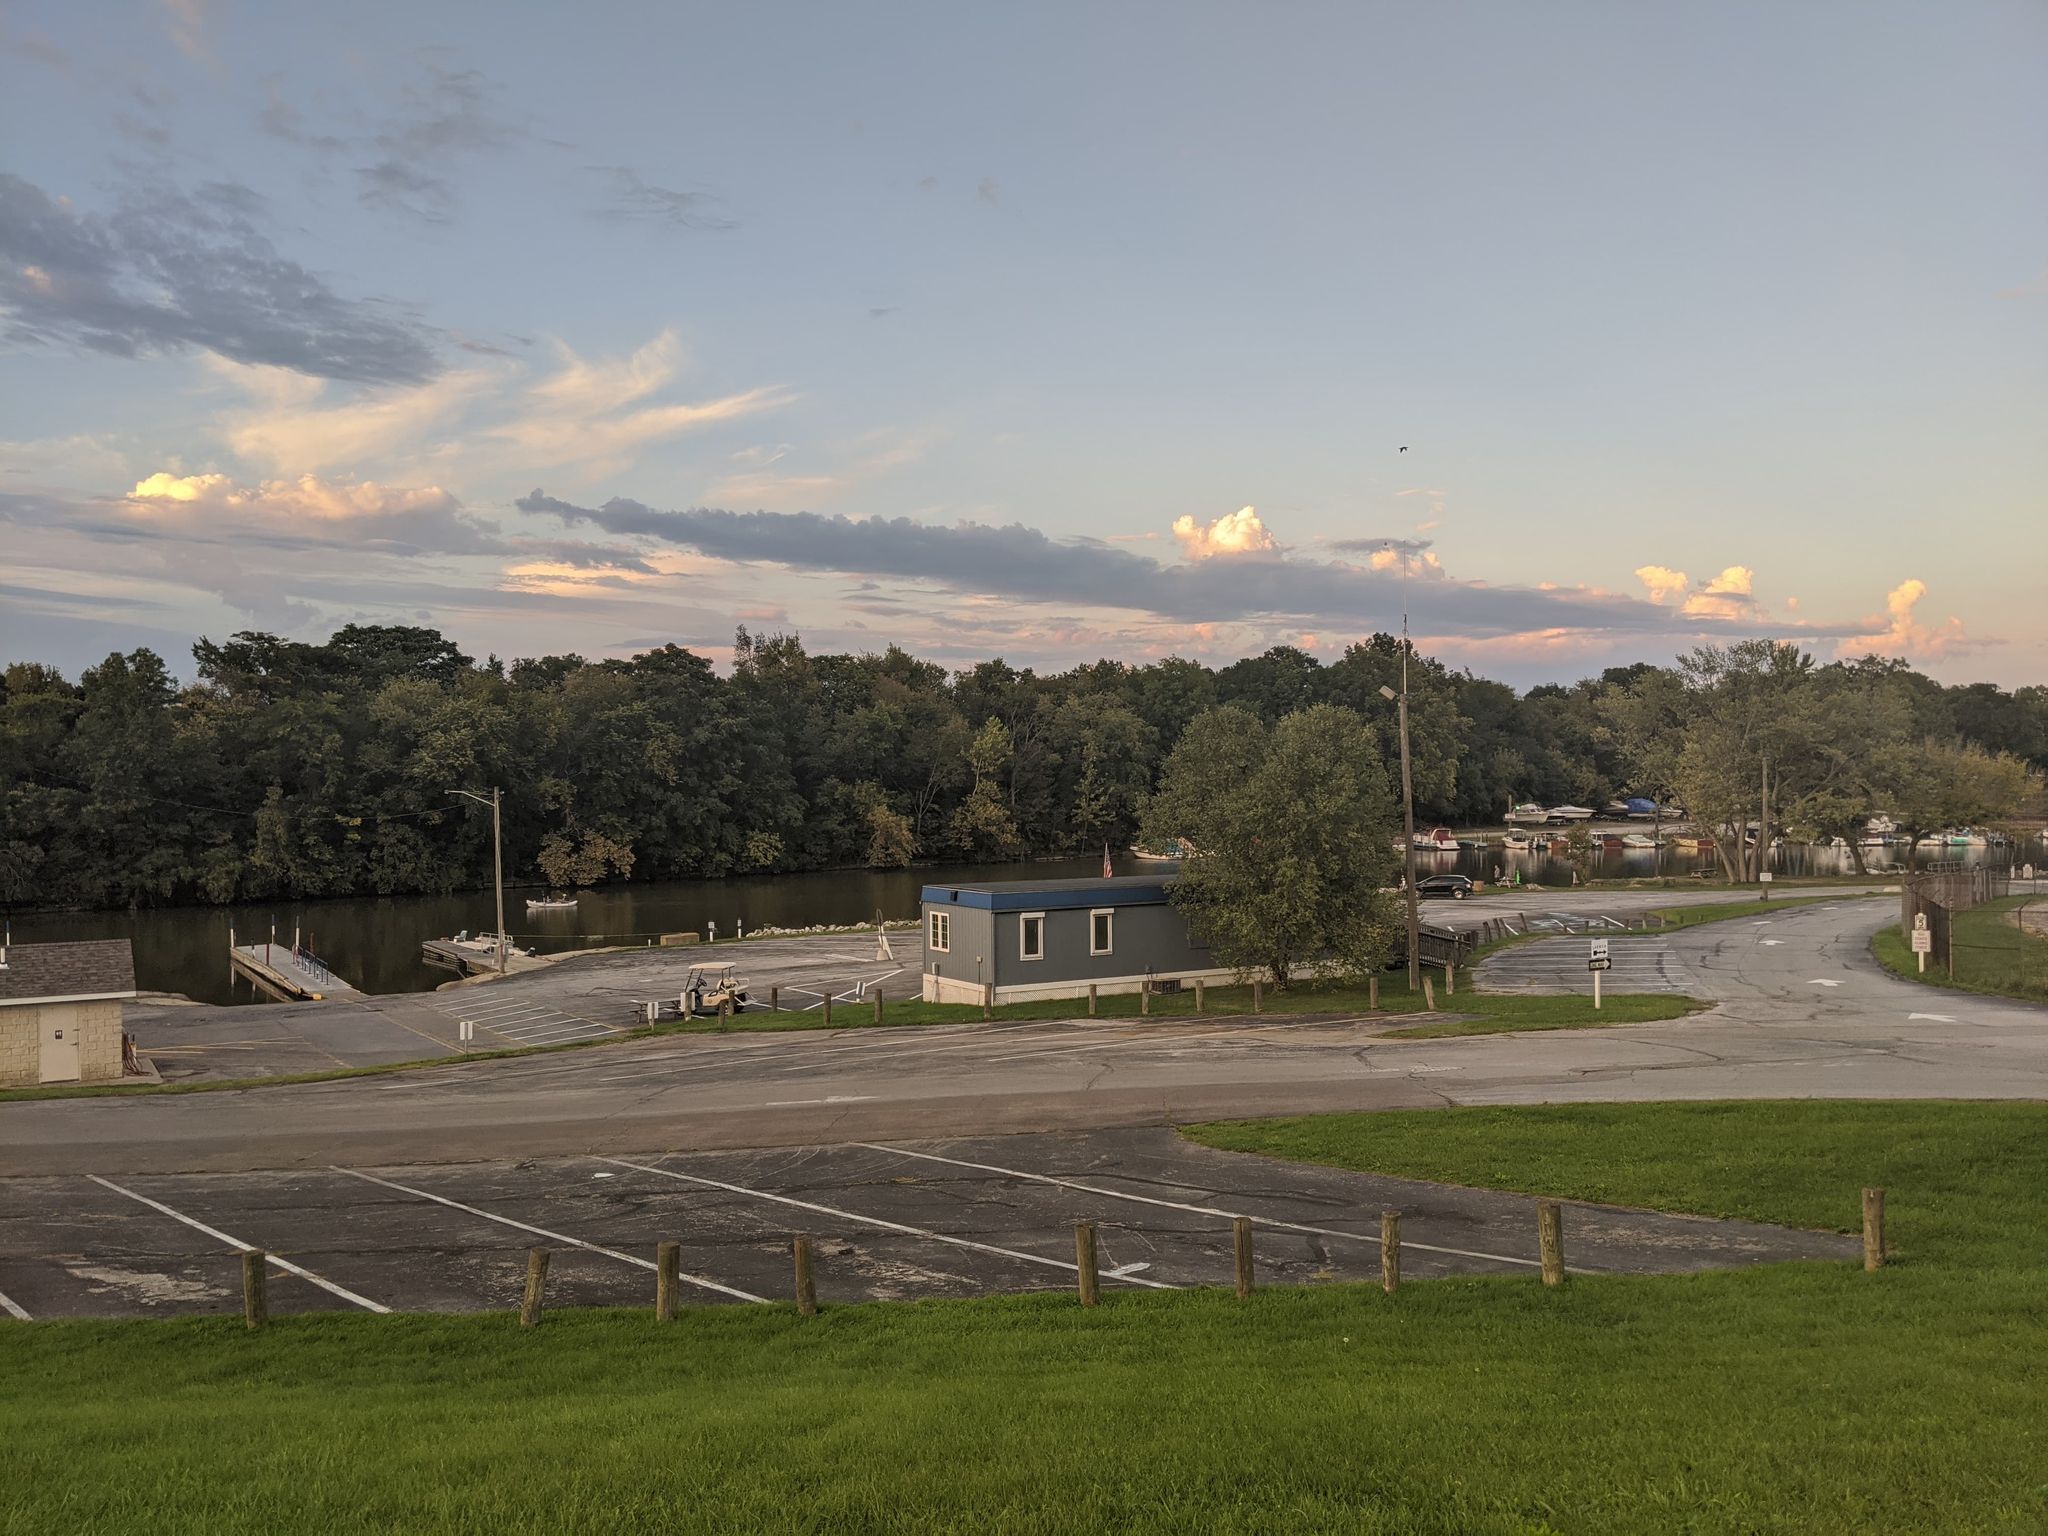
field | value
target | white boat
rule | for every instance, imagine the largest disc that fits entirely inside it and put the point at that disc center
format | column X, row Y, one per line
column 1436, row 840
column 1528, row 816
column 1516, row 842
column 1172, row 855
column 551, row 903
column 1637, row 842
column 1570, row 813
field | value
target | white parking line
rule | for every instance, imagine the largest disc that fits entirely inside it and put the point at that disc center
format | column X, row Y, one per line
column 236, row 1243
column 13, row 1308
column 553, row 1237
column 876, row 1221
column 1200, row 1210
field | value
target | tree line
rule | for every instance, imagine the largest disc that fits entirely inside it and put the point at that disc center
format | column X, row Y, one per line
column 291, row 769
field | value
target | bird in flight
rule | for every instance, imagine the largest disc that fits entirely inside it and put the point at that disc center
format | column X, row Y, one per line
column 1404, row 447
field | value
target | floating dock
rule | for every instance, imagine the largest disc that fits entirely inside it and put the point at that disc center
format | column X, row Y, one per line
column 467, row 957
column 286, row 974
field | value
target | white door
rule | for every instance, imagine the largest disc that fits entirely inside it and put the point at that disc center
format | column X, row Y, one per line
column 59, row 1031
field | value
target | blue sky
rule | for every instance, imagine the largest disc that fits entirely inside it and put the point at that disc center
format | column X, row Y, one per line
column 1696, row 322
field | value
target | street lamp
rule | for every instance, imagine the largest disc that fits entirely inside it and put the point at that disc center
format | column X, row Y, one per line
column 498, row 860
column 1407, row 796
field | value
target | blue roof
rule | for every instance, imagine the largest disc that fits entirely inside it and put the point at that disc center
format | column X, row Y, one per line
column 1048, row 895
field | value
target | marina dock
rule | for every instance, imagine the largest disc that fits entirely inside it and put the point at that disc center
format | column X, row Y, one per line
column 285, row 973
column 471, row 957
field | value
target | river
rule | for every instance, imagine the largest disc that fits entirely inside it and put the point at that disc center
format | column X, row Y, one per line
column 374, row 942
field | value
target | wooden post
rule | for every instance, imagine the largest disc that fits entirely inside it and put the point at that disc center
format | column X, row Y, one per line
column 1873, row 1229
column 1198, row 994
column 878, row 1005
column 1144, row 997
column 668, row 1263
column 1550, row 1239
column 988, row 1000
column 775, row 999
column 1428, row 995
column 536, row 1284
column 1255, row 994
column 1084, row 1263
column 1390, row 1251
column 828, row 1006
column 725, row 1013
column 255, row 1287
column 1241, row 1246
column 1450, row 980
column 1091, row 999
column 1372, row 993
column 806, row 1285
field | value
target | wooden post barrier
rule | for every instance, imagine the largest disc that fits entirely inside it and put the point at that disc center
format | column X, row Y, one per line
column 775, row 999
column 668, row 1264
column 536, row 1286
column 878, row 1005
column 1873, row 1229
column 828, row 1005
column 1550, row 1239
column 725, row 1013
column 255, row 1287
column 1241, row 1247
column 988, row 1000
column 1198, row 994
column 1091, row 999
column 1372, row 993
column 1144, row 997
column 806, row 1283
column 1084, row 1263
column 1428, row 995
column 1390, row 1251
column 1255, row 994
column 1450, row 979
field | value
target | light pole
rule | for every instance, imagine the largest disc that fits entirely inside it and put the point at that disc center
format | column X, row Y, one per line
column 1407, row 797
column 497, row 861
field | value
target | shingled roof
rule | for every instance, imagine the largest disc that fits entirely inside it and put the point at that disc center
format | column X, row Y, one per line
column 88, row 968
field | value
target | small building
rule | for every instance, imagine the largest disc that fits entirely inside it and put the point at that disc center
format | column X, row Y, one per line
column 1032, row 939
column 60, row 1011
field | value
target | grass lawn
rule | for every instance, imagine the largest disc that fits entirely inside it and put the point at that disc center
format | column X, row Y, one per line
column 1797, row 1398
column 1727, row 911
column 1992, row 953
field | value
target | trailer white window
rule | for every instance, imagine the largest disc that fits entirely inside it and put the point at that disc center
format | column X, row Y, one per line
column 1031, row 936
column 1101, row 930
column 939, row 935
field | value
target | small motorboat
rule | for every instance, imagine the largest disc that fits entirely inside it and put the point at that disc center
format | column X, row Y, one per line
column 1437, row 840
column 555, row 903
column 1692, row 842
column 1527, row 816
column 1570, row 813
column 1516, row 842
column 1169, row 852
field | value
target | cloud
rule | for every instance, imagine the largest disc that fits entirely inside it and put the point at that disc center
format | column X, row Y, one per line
column 290, row 424
column 630, row 196
column 1235, row 533
column 1394, row 554
column 1903, row 634
column 33, row 46
column 1018, row 564
column 168, row 271
column 1662, row 581
column 187, row 22
column 443, row 117
column 360, row 515
column 988, row 190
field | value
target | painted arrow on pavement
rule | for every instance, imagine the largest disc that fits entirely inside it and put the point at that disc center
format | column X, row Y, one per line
column 1818, row 982
column 1932, row 1018
column 1770, row 941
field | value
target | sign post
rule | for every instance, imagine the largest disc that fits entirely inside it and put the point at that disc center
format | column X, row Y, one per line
column 1923, row 941
column 1764, row 879
column 1597, row 961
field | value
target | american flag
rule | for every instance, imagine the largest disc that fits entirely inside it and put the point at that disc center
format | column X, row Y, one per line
column 1107, row 872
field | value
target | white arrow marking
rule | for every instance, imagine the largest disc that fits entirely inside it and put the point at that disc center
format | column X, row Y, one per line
column 1128, row 1269
column 1932, row 1018
column 837, row 1098
column 1770, row 941
column 1817, row 982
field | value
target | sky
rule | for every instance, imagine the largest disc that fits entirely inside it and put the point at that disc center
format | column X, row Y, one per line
column 1591, row 332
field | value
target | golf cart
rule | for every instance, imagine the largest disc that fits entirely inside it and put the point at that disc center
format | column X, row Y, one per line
column 709, row 987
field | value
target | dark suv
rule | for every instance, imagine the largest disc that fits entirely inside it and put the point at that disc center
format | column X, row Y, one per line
column 1458, row 887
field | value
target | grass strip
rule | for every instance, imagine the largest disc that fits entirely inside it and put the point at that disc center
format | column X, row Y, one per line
column 1994, row 955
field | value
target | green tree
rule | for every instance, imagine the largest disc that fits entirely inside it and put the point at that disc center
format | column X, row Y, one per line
column 1291, row 827
column 983, row 826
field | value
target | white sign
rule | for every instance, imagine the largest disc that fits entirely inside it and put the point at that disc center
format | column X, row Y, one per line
column 1923, row 941
column 1919, row 919
column 1596, row 959
column 1766, row 877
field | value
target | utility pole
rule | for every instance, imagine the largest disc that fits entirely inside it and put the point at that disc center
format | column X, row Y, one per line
column 1408, row 799
column 497, row 860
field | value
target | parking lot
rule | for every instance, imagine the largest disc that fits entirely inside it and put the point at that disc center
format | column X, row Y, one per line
column 896, row 1220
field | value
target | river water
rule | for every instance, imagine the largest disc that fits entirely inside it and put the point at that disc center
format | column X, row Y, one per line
column 374, row 943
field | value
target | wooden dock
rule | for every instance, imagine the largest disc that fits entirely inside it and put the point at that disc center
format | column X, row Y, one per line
column 470, row 958
column 285, row 974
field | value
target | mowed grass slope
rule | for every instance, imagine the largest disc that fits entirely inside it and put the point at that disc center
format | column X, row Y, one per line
column 1808, row 1398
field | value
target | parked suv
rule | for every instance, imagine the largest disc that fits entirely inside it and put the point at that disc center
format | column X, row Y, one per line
column 1457, row 887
